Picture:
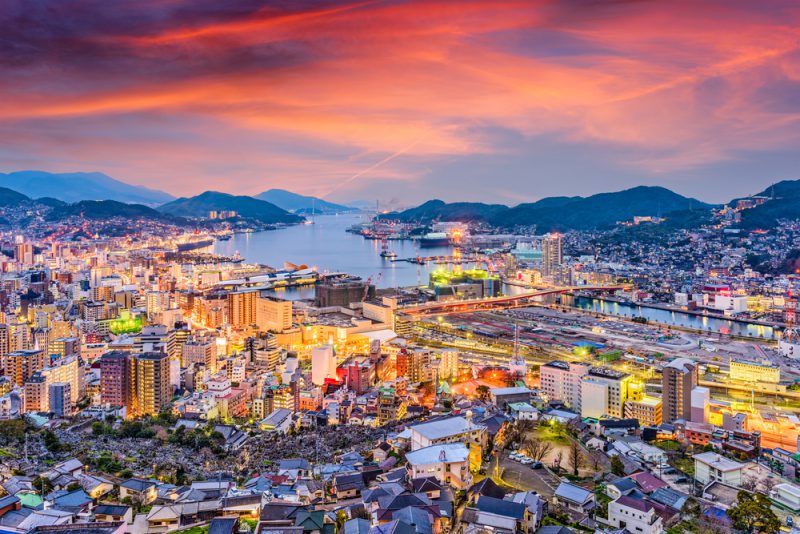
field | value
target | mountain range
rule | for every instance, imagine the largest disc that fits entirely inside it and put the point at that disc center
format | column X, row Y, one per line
column 561, row 213
column 76, row 186
column 302, row 204
column 246, row 207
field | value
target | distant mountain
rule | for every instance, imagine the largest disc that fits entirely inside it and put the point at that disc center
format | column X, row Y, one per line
column 77, row 186
column 562, row 213
column 244, row 206
column 107, row 209
column 456, row 211
column 783, row 204
column 301, row 203
column 9, row 197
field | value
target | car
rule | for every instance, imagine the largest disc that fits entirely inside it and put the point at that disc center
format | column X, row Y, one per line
column 536, row 465
column 526, row 461
column 789, row 521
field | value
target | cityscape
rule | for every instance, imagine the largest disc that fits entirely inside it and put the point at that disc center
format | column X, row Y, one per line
column 533, row 324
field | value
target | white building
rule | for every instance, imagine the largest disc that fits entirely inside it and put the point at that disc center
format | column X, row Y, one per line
column 594, row 398
column 712, row 467
column 323, row 364
column 787, row 495
column 562, row 381
column 449, row 430
column 634, row 515
column 448, row 463
column 701, row 402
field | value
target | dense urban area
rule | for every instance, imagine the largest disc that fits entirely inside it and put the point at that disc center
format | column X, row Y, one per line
column 636, row 377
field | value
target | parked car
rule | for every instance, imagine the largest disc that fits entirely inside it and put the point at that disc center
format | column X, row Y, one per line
column 536, row 465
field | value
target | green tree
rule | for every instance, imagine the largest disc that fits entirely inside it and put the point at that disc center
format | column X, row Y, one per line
column 752, row 513
column 617, row 467
column 51, row 441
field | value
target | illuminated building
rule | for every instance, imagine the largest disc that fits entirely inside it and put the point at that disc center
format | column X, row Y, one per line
column 273, row 314
column 562, row 381
column 342, row 293
column 678, row 379
column 200, row 349
column 323, row 364
column 116, row 380
column 448, row 364
column 601, row 381
column 448, row 463
column 21, row 364
column 750, row 371
column 700, row 405
column 151, row 377
column 646, row 409
column 414, row 364
column 264, row 351
column 242, row 308
column 552, row 254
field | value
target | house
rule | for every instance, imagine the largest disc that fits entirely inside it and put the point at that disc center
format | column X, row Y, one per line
column 634, row 515
column 295, row 468
column 448, row 462
column 234, row 438
column 106, row 513
column 348, row 486
column 647, row 482
column 9, row 503
column 381, row 452
column 554, row 529
column 575, row 498
column 138, row 490
column 537, row 507
column 163, row 518
column 241, row 505
column 486, row 487
column 431, row 487
column 712, row 467
column 224, row 525
column 81, row 528
column 522, row 411
column 95, row 486
column 618, row 488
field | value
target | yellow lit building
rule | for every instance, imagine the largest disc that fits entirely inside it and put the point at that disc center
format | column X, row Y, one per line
column 750, row 371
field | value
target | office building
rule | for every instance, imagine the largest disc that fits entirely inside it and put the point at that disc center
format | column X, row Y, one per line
column 678, row 379
column 242, row 308
column 200, row 350
column 614, row 384
column 647, row 410
column 21, row 364
column 552, row 254
column 273, row 315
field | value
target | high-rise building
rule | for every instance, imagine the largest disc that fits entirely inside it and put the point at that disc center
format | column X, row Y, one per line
column 21, row 364
column 323, row 364
column 448, row 364
column 552, row 254
column 562, row 381
column 701, row 404
column 242, row 308
column 116, row 379
column 273, row 314
column 678, row 379
column 614, row 384
column 200, row 349
column 152, row 383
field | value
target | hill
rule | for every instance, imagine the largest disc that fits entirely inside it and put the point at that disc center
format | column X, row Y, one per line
column 456, row 211
column 301, row 203
column 9, row 197
column 108, row 209
column 564, row 213
column 784, row 206
column 77, row 186
column 244, row 206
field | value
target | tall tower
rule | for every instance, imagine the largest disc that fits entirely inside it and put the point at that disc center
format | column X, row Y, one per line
column 678, row 379
column 552, row 254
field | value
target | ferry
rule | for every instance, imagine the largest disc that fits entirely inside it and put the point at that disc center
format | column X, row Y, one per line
column 434, row 239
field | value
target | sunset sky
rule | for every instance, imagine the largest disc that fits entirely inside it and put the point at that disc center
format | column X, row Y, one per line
column 490, row 100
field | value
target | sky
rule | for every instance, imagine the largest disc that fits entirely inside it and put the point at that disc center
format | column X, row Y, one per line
column 492, row 100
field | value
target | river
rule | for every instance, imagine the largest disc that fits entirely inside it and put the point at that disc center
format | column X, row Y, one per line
column 697, row 322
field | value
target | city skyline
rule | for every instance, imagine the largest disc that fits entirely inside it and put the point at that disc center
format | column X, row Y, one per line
column 500, row 102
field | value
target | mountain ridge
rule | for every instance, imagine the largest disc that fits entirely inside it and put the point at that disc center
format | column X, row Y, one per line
column 245, row 207
column 297, row 203
column 77, row 186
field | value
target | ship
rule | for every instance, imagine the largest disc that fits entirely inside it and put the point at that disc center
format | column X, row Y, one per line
column 388, row 254
column 224, row 237
column 186, row 246
column 434, row 239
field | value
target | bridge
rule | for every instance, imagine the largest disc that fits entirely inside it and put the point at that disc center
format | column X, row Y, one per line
column 496, row 303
